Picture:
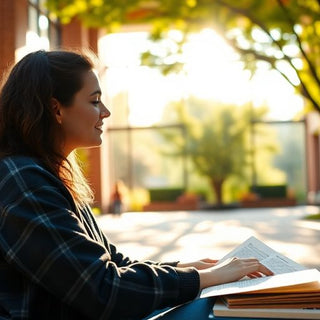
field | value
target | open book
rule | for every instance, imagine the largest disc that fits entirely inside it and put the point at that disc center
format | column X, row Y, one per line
column 292, row 286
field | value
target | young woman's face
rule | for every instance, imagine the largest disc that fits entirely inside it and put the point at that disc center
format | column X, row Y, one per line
column 82, row 121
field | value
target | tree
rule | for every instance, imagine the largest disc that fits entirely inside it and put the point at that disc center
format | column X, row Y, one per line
column 217, row 139
column 284, row 34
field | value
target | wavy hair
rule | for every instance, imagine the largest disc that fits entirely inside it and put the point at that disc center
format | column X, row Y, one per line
column 28, row 124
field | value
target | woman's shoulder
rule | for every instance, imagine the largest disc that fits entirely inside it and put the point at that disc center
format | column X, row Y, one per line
column 26, row 183
column 19, row 163
column 22, row 174
column 19, row 159
column 23, row 168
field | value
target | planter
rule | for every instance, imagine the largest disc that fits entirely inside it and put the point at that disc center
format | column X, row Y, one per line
column 268, row 203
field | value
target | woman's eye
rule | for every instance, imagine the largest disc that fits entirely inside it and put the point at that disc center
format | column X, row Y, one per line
column 96, row 103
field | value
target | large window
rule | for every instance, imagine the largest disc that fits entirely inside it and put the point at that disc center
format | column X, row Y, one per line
column 43, row 28
column 142, row 97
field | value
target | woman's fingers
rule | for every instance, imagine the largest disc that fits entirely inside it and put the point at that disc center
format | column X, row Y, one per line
column 256, row 267
column 255, row 275
column 209, row 260
column 237, row 268
column 232, row 269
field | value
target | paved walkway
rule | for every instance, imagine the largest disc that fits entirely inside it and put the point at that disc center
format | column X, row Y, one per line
column 185, row 236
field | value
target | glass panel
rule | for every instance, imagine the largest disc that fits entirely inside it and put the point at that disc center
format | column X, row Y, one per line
column 54, row 36
column 33, row 19
column 287, row 165
column 129, row 163
column 39, row 23
column 43, row 26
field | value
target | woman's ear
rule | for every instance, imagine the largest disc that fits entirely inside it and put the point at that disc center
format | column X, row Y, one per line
column 56, row 107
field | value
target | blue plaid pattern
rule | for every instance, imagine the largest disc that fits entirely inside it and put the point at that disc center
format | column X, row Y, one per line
column 55, row 262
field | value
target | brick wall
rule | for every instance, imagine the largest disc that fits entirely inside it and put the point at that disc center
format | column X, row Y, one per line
column 7, row 34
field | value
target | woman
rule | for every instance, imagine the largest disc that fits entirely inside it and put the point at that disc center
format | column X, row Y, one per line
column 55, row 263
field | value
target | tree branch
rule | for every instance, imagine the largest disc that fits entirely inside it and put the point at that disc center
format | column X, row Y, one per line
column 305, row 92
column 291, row 22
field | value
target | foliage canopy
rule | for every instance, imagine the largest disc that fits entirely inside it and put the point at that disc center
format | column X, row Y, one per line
column 284, row 34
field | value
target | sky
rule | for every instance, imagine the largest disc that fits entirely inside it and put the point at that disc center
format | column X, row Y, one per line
column 212, row 71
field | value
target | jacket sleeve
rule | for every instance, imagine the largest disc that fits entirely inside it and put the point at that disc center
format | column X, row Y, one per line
column 42, row 236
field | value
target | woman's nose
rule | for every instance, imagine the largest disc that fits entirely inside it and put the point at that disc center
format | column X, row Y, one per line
column 105, row 113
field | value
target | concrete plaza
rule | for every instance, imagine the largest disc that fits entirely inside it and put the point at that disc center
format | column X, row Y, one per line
column 189, row 235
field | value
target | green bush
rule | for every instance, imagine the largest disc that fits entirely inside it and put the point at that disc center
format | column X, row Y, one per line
column 165, row 194
column 265, row 192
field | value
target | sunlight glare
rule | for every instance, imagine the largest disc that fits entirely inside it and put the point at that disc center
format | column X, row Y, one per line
column 212, row 70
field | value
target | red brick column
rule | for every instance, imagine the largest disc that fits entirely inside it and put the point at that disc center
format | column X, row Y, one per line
column 7, row 34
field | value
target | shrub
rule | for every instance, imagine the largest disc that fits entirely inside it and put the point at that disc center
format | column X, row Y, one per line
column 165, row 194
column 275, row 191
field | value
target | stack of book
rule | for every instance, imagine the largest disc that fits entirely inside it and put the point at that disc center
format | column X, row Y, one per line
column 223, row 312
column 292, row 293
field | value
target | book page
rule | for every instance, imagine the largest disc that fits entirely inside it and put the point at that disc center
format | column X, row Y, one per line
column 251, row 248
column 273, row 260
column 287, row 272
column 285, row 282
column 278, row 264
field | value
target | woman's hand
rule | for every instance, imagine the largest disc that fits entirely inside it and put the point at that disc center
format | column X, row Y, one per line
column 232, row 269
column 200, row 264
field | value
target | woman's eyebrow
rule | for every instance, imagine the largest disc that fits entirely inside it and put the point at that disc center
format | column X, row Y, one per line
column 95, row 92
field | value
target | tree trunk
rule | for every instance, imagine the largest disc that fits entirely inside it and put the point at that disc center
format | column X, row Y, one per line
column 217, row 187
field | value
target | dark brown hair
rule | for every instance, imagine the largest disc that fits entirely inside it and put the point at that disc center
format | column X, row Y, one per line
column 28, row 124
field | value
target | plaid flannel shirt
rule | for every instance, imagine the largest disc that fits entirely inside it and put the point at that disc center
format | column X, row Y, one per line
column 55, row 262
